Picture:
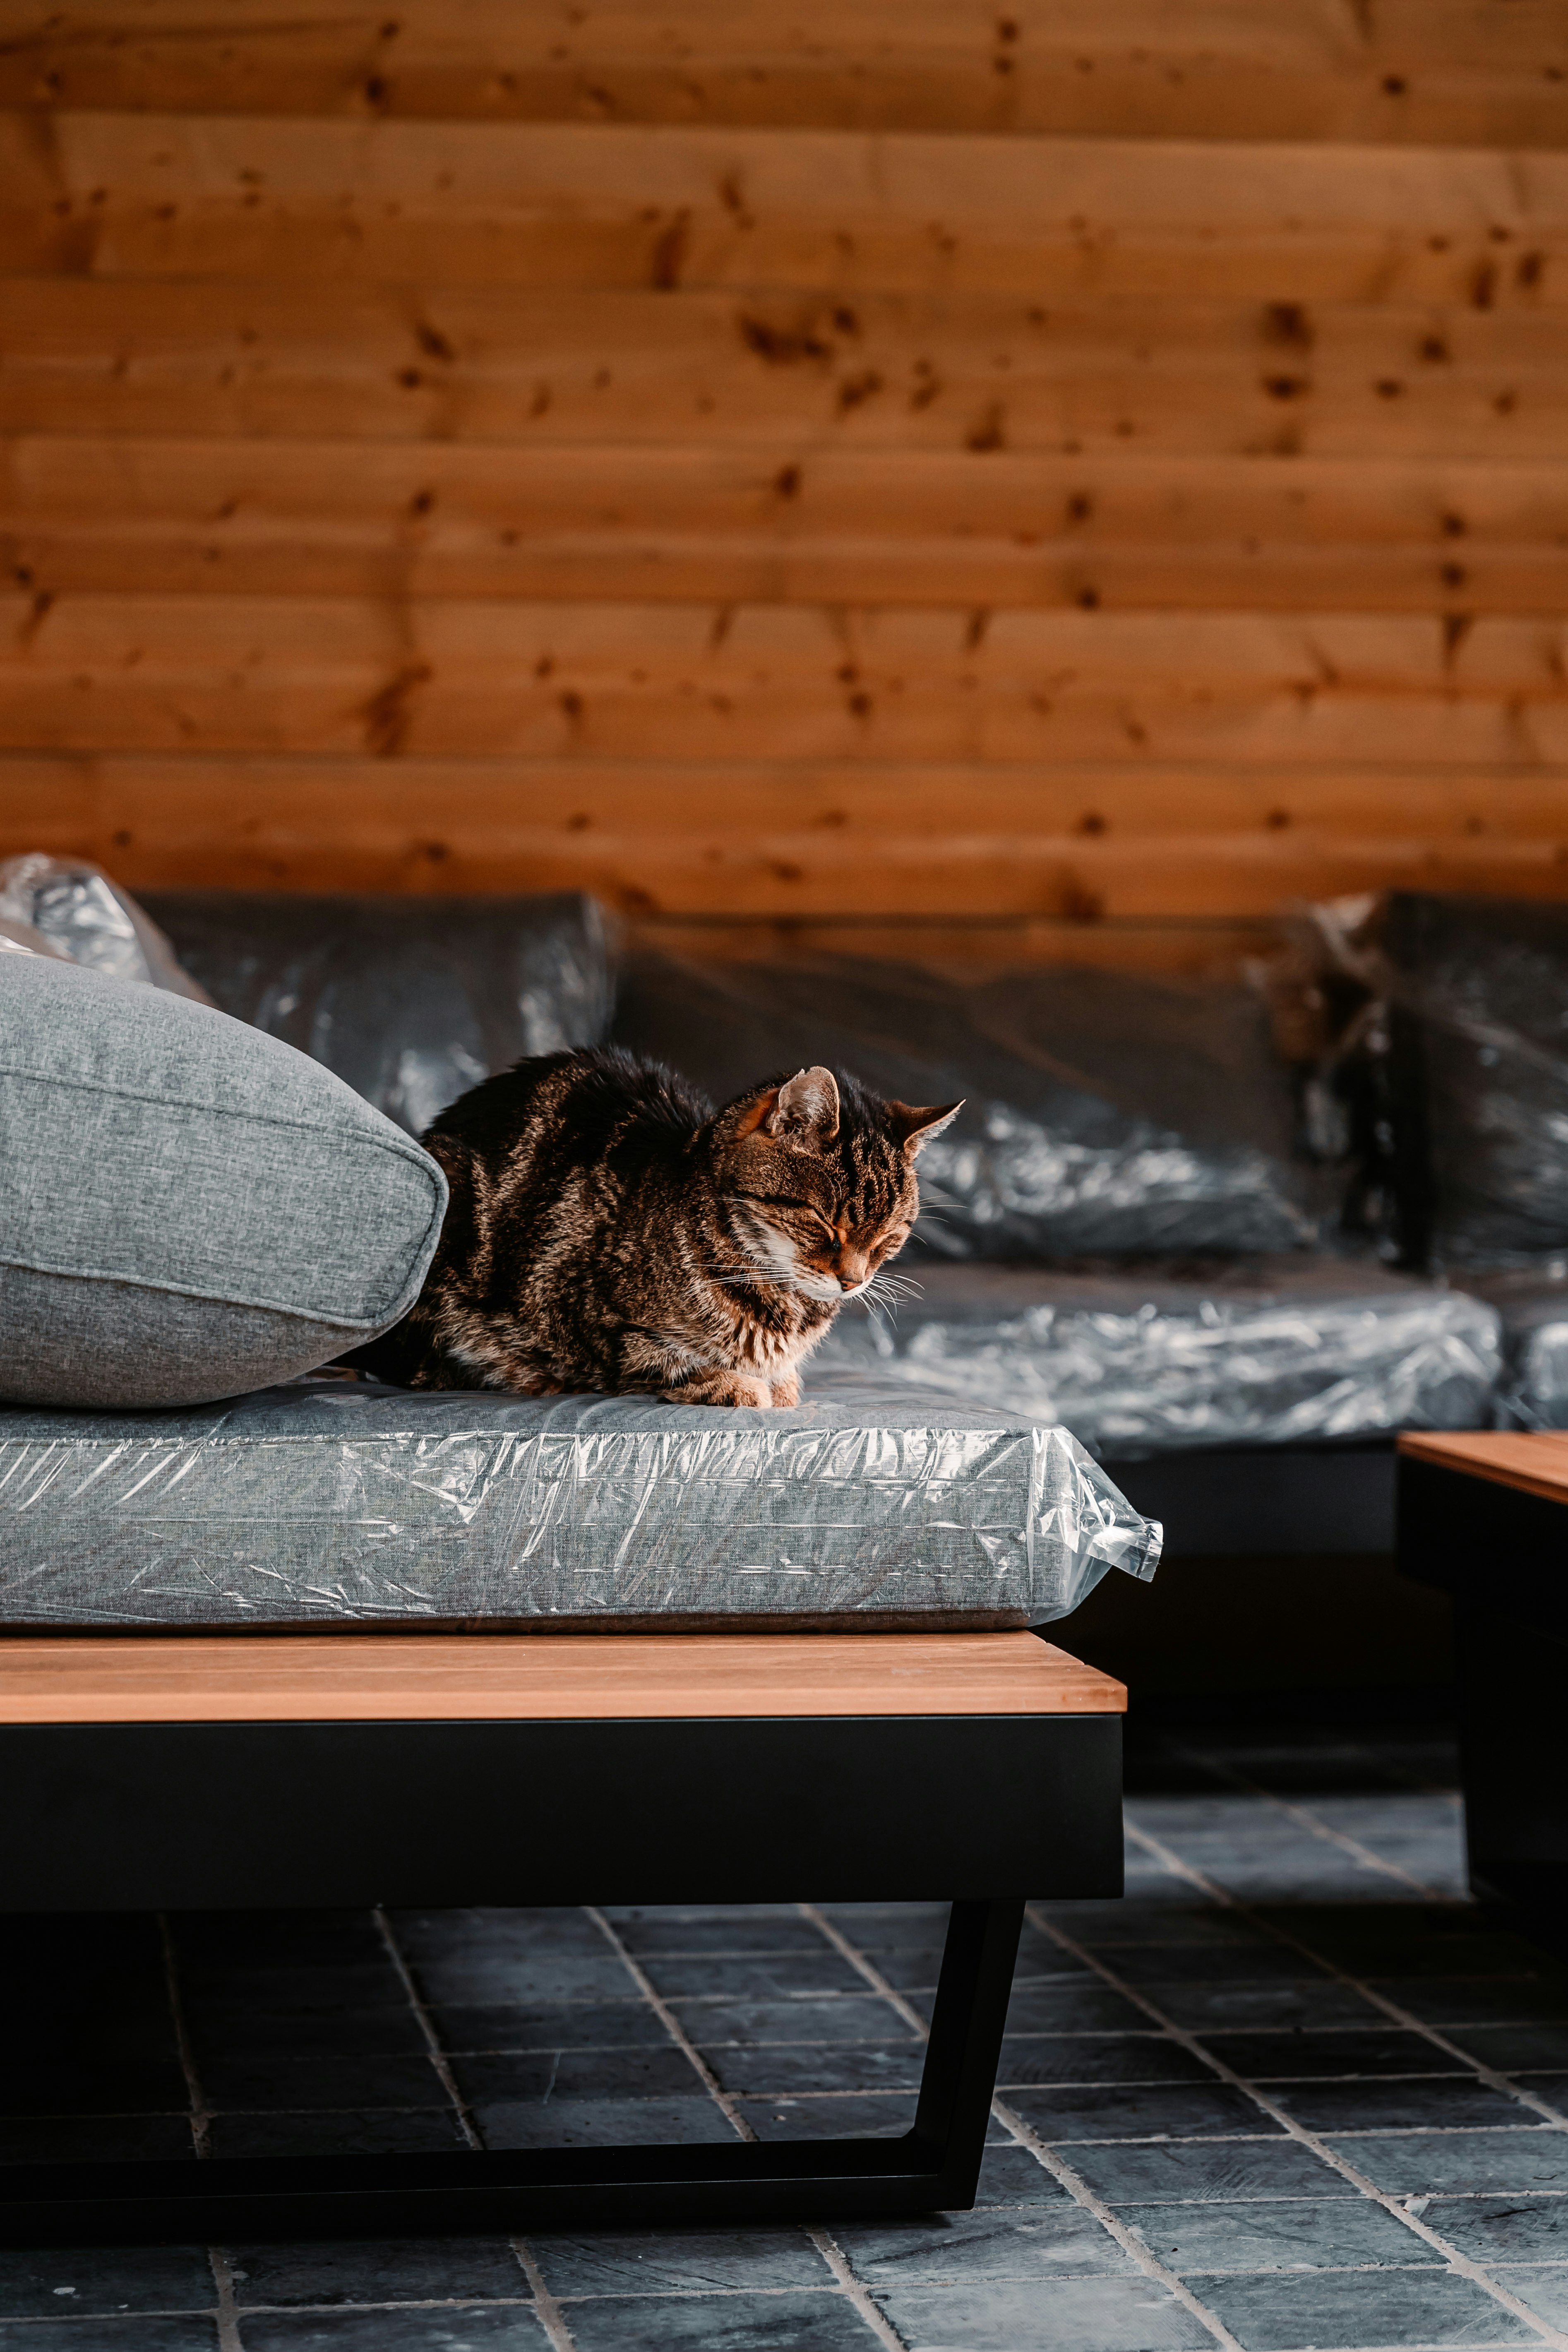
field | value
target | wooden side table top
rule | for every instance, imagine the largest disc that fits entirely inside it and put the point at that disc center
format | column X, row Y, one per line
column 425, row 1677
column 1536, row 1462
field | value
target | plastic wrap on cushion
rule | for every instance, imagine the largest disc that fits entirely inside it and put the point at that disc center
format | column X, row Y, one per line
column 411, row 1001
column 1291, row 1353
column 1018, row 1183
column 21, row 939
column 1106, row 1113
column 332, row 1501
column 1533, row 1390
column 90, row 919
column 1479, row 996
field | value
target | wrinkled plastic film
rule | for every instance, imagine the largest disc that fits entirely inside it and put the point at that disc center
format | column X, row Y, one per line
column 1532, row 1386
column 1010, row 1179
column 1533, row 1394
column 1477, row 991
column 65, row 907
column 1291, row 1353
column 23, row 939
column 1105, row 1113
column 331, row 1502
column 411, row 1001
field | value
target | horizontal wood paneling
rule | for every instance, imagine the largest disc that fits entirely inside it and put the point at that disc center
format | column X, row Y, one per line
column 1069, row 843
column 943, row 463
column 754, row 525
column 477, row 678
column 979, row 374
column 1442, row 71
column 559, row 206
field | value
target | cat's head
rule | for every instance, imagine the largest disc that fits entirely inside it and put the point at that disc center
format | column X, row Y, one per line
column 820, row 1178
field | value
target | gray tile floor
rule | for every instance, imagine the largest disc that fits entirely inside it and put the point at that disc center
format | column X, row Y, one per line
column 1294, row 2092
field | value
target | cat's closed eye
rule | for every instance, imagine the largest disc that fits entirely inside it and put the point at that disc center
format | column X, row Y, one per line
column 799, row 1208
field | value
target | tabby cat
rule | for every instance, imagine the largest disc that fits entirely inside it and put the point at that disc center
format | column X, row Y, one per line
column 609, row 1230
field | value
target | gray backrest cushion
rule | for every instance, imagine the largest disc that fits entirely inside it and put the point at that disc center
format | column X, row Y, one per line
column 189, row 1209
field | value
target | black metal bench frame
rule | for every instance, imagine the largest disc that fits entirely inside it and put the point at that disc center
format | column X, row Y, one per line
column 1499, row 1553
column 979, row 1810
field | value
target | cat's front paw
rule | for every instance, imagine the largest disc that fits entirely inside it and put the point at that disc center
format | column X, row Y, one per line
column 786, row 1392
column 723, row 1388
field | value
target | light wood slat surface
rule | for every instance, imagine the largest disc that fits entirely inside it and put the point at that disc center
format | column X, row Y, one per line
column 144, row 196
column 359, row 1677
column 101, row 515
column 524, row 807
column 1536, row 1462
column 928, row 369
column 499, row 676
column 1441, row 71
column 1065, row 843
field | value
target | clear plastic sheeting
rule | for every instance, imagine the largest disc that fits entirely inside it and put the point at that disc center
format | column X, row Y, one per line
column 1017, row 1180
column 335, row 1501
column 80, row 913
column 1478, row 991
column 411, row 1001
column 1107, row 1113
column 1289, row 1352
column 1533, row 1392
column 21, row 939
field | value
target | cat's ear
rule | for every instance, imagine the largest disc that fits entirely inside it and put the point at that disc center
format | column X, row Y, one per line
column 913, row 1128
column 804, row 1109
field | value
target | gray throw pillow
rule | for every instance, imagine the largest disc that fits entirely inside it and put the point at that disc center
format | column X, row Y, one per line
column 189, row 1209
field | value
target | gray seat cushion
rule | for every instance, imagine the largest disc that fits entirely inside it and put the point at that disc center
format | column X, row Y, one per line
column 1270, row 1352
column 331, row 1502
column 187, row 1208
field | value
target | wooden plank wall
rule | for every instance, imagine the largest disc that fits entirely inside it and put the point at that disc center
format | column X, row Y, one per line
column 1081, row 460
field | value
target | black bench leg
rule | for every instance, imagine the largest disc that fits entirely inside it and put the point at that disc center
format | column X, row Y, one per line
column 965, row 2045
column 934, row 2167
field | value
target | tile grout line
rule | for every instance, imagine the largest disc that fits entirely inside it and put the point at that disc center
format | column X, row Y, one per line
column 546, row 2310
column 855, row 2291
column 218, row 2262
column 1393, row 2010
column 432, row 2040
column 229, row 2336
column 1298, row 2132
column 1063, row 2174
column 864, row 1968
column 1110, row 2222
column 827, row 2247
column 673, row 2027
column 1304, row 1818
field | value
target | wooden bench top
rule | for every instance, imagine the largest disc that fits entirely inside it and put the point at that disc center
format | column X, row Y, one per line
column 406, row 1677
column 1534, row 1461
